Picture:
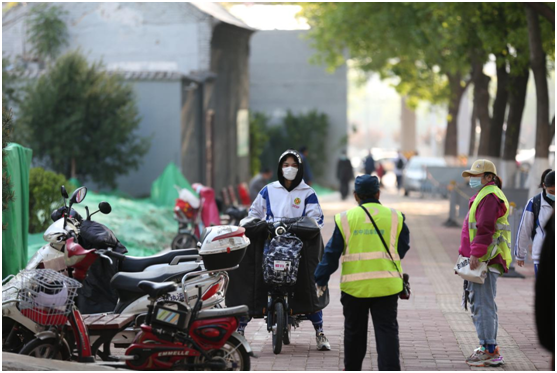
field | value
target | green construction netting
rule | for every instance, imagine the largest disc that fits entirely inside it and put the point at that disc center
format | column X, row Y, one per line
column 321, row 191
column 163, row 191
column 16, row 217
column 144, row 228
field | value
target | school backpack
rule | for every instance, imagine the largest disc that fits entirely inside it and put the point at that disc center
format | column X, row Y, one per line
column 536, row 206
column 282, row 259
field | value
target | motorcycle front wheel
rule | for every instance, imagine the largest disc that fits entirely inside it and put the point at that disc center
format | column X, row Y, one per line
column 233, row 354
column 184, row 241
column 49, row 348
column 278, row 327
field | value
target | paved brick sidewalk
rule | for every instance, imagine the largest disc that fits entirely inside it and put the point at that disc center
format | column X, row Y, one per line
column 435, row 333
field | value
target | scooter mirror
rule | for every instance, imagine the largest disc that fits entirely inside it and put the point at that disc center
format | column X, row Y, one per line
column 78, row 195
column 63, row 191
column 105, row 207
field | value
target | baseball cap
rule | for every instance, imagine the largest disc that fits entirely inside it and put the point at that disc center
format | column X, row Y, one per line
column 366, row 184
column 479, row 167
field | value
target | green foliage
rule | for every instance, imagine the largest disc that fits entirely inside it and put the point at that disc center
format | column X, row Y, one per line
column 309, row 129
column 258, row 137
column 44, row 196
column 47, row 31
column 78, row 112
column 9, row 79
column 7, row 193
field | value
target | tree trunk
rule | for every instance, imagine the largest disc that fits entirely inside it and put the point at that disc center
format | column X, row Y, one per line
column 543, row 10
column 538, row 65
column 517, row 98
column 499, row 111
column 451, row 137
column 481, row 104
column 473, row 124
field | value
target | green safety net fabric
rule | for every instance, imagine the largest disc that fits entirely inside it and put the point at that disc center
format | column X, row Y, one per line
column 163, row 191
column 16, row 217
column 144, row 228
column 321, row 191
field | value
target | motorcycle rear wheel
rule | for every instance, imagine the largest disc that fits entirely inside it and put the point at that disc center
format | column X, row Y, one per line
column 184, row 241
column 233, row 353
column 49, row 348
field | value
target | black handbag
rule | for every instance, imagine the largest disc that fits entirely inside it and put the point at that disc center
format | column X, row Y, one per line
column 406, row 291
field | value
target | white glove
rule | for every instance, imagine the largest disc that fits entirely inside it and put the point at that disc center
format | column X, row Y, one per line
column 320, row 290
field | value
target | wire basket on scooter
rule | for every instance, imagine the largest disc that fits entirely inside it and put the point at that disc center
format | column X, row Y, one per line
column 282, row 259
column 45, row 296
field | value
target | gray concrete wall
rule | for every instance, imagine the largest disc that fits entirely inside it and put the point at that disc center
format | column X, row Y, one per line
column 133, row 36
column 282, row 78
column 159, row 104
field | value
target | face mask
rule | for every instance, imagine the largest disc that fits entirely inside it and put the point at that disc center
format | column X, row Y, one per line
column 475, row 182
column 289, row 173
column 551, row 196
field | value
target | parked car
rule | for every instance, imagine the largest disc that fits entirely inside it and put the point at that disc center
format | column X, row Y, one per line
column 415, row 172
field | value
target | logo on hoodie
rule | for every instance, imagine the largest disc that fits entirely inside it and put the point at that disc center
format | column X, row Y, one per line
column 297, row 201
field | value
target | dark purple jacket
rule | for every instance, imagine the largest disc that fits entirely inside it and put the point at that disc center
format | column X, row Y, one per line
column 489, row 210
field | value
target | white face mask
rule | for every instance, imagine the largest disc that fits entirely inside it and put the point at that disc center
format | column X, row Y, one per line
column 289, row 173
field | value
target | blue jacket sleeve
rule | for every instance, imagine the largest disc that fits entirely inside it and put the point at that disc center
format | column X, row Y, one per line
column 403, row 239
column 329, row 262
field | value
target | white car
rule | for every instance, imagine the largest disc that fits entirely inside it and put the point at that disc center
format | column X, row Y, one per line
column 415, row 172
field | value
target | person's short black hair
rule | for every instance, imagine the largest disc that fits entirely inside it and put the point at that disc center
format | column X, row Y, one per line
column 544, row 175
column 365, row 197
column 265, row 170
column 549, row 179
column 303, row 149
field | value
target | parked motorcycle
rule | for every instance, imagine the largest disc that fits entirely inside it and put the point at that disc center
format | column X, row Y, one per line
column 174, row 335
column 62, row 236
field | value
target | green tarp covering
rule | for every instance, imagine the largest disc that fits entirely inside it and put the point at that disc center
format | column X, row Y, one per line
column 163, row 192
column 16, row 217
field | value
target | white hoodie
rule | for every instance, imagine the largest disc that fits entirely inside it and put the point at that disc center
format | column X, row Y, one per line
column 274, row 202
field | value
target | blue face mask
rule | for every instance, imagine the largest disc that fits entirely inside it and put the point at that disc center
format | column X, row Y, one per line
column 551, row 196
column 475, row 182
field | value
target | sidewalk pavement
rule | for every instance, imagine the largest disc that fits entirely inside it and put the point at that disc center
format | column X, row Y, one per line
column 435, row 332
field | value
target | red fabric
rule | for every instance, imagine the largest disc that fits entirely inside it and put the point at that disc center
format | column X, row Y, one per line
column 186, row 208
column 244, row 194
column 209, row 210
column 489, row 210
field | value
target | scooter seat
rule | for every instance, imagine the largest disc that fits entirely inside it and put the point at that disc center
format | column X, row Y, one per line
column 156, row 289
column 222, row 312
column 138, row 264
column 125, row 281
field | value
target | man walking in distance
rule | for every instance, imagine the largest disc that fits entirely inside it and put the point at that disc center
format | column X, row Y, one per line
column 371, row 277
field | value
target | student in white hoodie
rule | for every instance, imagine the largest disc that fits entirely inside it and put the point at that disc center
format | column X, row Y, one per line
column 537, row 213
column 290, row 197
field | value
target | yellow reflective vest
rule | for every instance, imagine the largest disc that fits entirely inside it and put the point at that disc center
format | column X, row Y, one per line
column 502, row 235
column 367, row 269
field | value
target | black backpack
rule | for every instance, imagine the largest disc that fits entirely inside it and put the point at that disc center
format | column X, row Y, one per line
column 536, row 206
column 400, row 164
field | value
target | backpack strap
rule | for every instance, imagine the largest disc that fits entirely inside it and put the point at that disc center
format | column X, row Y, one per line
column 536, row 206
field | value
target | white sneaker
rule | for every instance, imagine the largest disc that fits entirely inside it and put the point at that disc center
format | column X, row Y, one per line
column 322, row 342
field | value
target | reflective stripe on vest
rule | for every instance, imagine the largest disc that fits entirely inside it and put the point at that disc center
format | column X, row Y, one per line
column 502, row 236
column 367, row 268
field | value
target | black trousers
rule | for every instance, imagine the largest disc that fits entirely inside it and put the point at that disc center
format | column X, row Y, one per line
column 383, row 314
column 344, row 186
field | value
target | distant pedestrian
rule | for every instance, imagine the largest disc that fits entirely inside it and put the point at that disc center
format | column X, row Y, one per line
column 345, row 174
column 308, row 175
column 537, row 213
column 371, row 277
column 400, row 163
column 259, row 181
column 545, row 291
column 486, row 237
column 380, row 170
column 369, row 164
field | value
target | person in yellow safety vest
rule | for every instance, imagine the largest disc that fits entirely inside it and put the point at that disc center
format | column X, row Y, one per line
column 370, row 281
column 486, row 228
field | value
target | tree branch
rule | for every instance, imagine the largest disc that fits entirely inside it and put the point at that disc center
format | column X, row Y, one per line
column 543, row 10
